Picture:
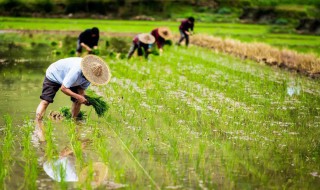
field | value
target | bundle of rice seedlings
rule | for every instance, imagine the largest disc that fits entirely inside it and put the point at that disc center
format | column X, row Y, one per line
column 98, row 104
column 66, row 112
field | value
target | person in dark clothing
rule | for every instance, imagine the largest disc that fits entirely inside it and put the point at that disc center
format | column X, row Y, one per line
column 184, row 30
column 141, row 41
column 88, row 39
column 161, row 34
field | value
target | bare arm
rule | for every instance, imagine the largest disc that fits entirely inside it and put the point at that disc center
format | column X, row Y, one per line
column 80, row 97
column 85, row 46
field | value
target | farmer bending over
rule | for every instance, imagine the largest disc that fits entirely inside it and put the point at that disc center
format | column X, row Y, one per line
column 184, row 30
column 73, row 76
column 140, row 41
column 161, row 35
column 88, row 39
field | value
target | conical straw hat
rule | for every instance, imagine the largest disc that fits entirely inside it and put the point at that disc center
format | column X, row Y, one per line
column 164, row 32
column 95, row 70
column 100, row 173
column 146, row 38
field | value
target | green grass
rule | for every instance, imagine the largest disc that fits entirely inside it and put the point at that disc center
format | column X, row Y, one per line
column 194, row 119
column 243, row 32
column 7, row 150
column 208, row 108
column 31, row 169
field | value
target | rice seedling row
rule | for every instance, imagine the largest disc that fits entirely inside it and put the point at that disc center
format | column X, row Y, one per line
column 7, row 149
column 30, row 158
column 240, row 135
column 195, row 119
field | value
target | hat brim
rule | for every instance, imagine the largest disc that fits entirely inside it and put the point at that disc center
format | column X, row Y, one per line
column 162, row 31
column 86, row 68
column 146, row 38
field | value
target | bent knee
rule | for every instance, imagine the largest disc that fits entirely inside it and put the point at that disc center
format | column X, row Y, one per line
column 45, row 102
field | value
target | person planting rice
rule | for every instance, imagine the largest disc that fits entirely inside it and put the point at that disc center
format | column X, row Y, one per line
column 184, row 30
column 88, row 39
column 73, row 76
column 161, row 34
column 142, row 42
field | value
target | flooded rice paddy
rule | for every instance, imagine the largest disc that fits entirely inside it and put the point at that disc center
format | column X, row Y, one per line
column 190, row 119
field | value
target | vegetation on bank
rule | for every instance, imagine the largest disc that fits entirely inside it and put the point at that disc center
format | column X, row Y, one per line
column 121, row 28
column 272, row 11
column 115, row 42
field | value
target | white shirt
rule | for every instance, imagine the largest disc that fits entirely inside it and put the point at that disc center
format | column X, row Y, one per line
column 68, row 73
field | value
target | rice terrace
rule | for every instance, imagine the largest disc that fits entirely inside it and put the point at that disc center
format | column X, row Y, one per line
column 236, row 108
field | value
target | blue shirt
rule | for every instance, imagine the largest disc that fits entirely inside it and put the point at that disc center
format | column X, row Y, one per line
column 67, row 72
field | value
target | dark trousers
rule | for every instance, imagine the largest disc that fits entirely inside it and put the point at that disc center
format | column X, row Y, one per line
column 140, row 50
column 184, row 36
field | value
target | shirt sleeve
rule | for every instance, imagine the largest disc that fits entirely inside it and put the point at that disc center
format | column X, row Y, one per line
column 85, row 85
column 71, row 78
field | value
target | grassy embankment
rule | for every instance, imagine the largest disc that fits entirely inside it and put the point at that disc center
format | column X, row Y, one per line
column 243, row 32
column 307, row 64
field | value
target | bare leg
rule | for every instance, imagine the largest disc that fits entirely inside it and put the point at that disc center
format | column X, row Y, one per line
column 131, row 51
column 41, row 109
column 75, row 109
column 76, row 105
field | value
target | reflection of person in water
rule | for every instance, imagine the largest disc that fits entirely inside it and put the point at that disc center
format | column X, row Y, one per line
column 63, row 169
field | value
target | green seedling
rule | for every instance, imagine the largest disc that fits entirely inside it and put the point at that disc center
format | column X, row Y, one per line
column 30, row 158
column 99, row 105
column 66, row 112
column 6, row 151
column 51, row 148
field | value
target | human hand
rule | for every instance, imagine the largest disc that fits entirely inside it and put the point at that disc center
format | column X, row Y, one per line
column 160, row 51
column 82, row 100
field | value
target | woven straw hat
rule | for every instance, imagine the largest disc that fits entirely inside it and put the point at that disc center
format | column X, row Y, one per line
column 146, row 38
column 95, row 70
column 164, row 32
column 99, row 171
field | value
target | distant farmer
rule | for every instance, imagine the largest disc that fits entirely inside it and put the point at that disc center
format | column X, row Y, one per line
column 161, row 34
column 88, row 39
column 184, row 30
column 142, row 42
column 73, row 76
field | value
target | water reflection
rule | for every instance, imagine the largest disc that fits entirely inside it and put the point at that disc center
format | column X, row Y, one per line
column 291, row 90
column 65, row 169
column 62, row 169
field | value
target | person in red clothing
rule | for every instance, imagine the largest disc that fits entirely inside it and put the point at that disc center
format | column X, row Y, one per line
column 141, row 41
column 184, row 30
column 161, row 34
